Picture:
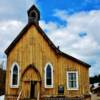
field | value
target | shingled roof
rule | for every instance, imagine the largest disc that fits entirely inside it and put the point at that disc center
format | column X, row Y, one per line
column 13, row 44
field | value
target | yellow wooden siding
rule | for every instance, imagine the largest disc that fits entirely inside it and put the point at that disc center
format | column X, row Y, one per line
column 34, row 49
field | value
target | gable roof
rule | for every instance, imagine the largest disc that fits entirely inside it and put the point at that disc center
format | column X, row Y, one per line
column 57, row 51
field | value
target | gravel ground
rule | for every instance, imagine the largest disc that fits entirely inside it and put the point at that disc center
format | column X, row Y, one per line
column 95, row 97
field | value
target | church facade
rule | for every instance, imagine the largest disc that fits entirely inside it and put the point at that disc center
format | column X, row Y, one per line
column 38, row 70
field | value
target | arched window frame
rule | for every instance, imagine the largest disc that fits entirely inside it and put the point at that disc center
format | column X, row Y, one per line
column 52, row 81
column 11, row 81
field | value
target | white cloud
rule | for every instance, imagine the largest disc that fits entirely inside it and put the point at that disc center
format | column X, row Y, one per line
column 85, row 48
column 10, row 11
column 8, row 31
column 15, row 9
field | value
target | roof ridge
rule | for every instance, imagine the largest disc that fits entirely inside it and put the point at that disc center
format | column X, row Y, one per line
column 25, row 29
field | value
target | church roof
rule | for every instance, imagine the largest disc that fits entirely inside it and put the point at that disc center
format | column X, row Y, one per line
column 13, row 44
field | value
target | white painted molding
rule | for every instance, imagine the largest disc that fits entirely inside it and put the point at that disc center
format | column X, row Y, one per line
column 77, row 83
column 11, row 75
column 52, row 81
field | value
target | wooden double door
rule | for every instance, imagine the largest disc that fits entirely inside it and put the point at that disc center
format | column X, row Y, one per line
column 31, row 82
column 31, row 90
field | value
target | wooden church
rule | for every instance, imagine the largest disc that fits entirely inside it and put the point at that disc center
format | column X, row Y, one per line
column 38, row 70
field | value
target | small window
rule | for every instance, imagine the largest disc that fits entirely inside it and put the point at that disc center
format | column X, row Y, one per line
column 72, row 80
column 48, row 76
column 14, row 75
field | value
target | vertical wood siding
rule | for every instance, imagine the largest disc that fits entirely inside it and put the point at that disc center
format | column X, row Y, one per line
column 33, row 49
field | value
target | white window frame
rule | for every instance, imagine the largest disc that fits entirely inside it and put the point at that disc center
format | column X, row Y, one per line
column 11, row 77
column 48, row 86
column 77, row 83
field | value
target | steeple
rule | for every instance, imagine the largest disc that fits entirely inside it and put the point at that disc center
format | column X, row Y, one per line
column 33, row 15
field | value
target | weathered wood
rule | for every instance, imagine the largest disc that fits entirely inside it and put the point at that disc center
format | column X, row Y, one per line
column 33, row 49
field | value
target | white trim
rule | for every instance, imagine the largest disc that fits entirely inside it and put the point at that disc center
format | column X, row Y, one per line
column 48, row 86
column 77, row 83
column 11, row 85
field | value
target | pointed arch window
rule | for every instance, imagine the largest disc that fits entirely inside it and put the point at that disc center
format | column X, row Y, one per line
column 48, row 76
column 15, row 75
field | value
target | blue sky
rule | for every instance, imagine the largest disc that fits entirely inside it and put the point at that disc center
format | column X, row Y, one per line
column 69, row 5
column 74, row 25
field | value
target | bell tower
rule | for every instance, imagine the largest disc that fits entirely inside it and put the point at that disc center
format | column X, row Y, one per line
column 33, row 15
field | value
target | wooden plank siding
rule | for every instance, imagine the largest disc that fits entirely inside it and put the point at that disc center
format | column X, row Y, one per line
column 33, row 49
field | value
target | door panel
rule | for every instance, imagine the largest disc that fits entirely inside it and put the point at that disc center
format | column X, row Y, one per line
column 33, row 89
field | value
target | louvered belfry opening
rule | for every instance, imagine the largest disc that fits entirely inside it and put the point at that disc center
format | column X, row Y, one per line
column 33, row 15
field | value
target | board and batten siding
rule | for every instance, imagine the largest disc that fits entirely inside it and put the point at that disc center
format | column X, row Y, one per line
column 32, row 48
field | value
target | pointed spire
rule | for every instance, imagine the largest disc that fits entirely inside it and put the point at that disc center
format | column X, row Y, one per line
column 33, row 15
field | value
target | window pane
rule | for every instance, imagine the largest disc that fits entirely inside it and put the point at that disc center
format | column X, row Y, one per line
column 70, row 84
column 15, row 75
column 74, row 84
column 74, row 76
column 48, row 72
column 72, row 80
column 70, row 76
column 48, row 75
column 48, row 82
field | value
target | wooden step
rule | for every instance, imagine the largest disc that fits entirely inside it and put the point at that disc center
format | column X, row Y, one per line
column 61, row 98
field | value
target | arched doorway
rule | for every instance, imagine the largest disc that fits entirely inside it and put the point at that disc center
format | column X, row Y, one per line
column 30, row 83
